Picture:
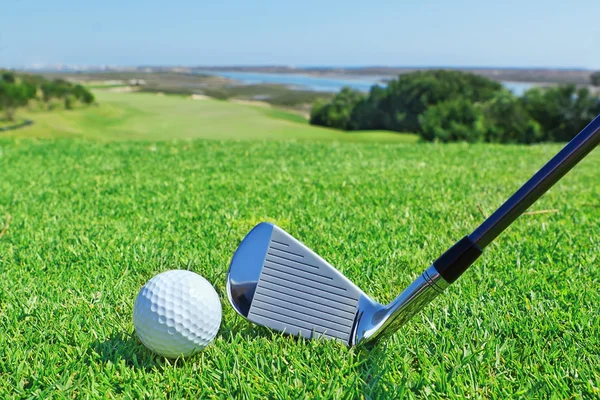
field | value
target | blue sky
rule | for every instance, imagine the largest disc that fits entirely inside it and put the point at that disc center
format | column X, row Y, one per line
column 524, row 33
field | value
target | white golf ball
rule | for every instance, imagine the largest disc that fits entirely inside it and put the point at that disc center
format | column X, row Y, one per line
column 177, row 313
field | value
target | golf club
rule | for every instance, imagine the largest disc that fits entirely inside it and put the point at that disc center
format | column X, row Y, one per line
column 276, row 281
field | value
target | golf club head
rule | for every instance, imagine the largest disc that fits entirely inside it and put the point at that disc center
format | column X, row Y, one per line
column 276, row 281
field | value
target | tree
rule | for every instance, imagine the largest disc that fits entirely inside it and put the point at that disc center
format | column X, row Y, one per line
column 582, row 108
column 69, row 100
column 56, row 89
column 29, row 90
column 336, row 114
column 12, row 96
column 398, row 106
column 317, row 112
column 35, row 80
column 507, row 120
column 62, row 88
column 83, row 95
column 8, row 77
column 47, row 91
column 561, row 111
column 367, row 114
column 595, row 78
column 410, row 95
column 452, row 121
column 17, row 90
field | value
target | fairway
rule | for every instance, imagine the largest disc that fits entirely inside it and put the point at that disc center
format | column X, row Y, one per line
column 92, row 221
column 144, row 116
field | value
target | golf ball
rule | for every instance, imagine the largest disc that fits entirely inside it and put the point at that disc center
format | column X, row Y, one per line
column 177, row 313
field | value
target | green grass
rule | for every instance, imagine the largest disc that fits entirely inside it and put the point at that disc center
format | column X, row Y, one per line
column 18, row 123
column 5, row 122
column 105, row 85
column 143, row 116
column 92, row 222
column 275, row 94
column 211, row 85
column 285, row 115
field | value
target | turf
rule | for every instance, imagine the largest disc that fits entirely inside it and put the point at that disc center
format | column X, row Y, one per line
column 92, row 221
column 144, row 116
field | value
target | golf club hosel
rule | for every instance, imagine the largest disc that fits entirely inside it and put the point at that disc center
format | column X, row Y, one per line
column 413, row 299
column 457, row 259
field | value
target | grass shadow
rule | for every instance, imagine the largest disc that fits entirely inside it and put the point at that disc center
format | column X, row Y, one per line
column 371, row 369
column 371, row 362
column 16, row 125
column 128, row 348
column 241, row 330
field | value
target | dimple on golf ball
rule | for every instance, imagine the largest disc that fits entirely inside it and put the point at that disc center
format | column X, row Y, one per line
column 177, row 313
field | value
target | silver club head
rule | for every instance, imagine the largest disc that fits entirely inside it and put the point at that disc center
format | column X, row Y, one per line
column 276, row 281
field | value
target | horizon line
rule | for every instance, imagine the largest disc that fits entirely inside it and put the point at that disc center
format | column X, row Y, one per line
column 41, row 66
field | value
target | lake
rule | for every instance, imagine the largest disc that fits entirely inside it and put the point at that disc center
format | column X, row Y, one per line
column 330, row 84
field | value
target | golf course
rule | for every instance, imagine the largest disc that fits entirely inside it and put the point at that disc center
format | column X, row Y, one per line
column 96, row 200
column 145, row 116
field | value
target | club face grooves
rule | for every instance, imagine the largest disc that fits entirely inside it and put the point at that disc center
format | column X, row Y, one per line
column 299, row 293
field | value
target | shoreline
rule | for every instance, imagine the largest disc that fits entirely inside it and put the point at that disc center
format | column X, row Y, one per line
column 525, row 75
column 538, row 75
column 369, row 80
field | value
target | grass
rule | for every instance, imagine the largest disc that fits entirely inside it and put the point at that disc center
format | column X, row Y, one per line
column 4, row 122
column 105, row 86
column 143, row 116
column 93, row 221
column 279, row 95
column 6, row 125
column 188, row 83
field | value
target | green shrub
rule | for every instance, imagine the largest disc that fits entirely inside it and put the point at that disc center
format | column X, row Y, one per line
column 410, row 95
column 69, row 100
column 367, row 114
column 443, row 105
column 453, row 121
column 561, row 111
column 82, row 94
column 337, row 112
column 8, row 77
column 13, row 96
column 17, row 89
column 398, row 106
column 507, row 121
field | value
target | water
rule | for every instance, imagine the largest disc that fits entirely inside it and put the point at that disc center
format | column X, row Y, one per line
column 302, row 81
column 330, row 84
column 518, row 88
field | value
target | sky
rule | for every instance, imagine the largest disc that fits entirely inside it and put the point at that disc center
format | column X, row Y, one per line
column 477, row 33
